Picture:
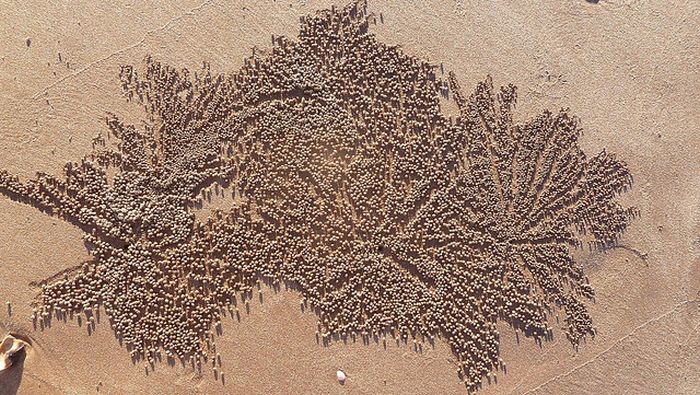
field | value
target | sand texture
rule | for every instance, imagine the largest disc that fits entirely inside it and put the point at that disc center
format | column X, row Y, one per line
column 321, row 197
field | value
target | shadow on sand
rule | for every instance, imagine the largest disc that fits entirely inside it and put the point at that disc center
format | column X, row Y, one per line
column 11, row 378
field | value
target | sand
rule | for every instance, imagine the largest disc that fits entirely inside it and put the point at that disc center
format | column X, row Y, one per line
column 627, row 70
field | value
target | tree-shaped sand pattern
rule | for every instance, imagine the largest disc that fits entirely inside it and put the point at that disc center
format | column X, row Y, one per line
column 350, row 184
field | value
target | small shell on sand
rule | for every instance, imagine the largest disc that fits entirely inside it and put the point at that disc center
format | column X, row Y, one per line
column 9, row 347
column 341, row 376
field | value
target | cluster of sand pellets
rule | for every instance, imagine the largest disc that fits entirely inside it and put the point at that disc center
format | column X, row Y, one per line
column 389, row 218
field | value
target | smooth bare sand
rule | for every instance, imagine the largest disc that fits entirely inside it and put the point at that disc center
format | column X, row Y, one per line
column 629, row 69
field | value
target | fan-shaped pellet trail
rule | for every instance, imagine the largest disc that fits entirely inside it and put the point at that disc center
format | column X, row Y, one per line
column 350, row 183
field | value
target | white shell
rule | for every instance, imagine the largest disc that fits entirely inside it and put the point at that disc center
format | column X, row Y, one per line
column 340, row 375
column 9, row 346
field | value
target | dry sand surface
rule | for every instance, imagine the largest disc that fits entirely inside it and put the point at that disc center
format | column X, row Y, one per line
column 629, row 69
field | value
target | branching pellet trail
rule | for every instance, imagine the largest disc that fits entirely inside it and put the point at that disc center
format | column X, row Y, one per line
column 351, row 184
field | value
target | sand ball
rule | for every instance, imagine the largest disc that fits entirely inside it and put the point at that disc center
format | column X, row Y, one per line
column 341, row 376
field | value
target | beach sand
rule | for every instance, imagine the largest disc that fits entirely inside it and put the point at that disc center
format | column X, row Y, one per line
column 628, row 69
